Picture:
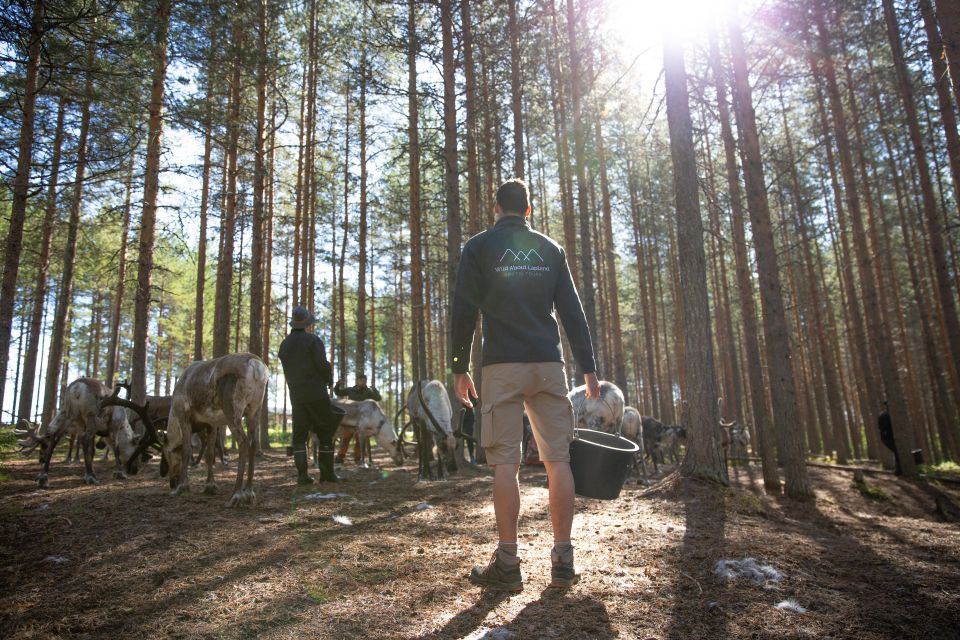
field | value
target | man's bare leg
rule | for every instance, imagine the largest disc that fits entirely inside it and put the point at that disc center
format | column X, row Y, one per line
column 560, row 485
column 506, row 500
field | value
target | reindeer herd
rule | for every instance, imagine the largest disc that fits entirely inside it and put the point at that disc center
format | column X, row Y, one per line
column 211, row 396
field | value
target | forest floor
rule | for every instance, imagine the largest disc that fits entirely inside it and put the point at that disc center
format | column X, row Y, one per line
column 125, row 559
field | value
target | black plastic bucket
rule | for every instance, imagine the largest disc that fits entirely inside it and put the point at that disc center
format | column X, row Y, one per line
column 600, row 462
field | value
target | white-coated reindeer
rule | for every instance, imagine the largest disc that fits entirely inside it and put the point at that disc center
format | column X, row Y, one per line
column 211, row 393
column 429, row 407
column 83, row 414
column 366, row 419
column 733, row 436
column 603, row 414
column 631, row 428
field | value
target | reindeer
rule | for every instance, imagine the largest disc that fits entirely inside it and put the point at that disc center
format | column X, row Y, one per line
column 83, row 414
column 603, row 414
column 429, row 407
column 367, row 419
column 631, row 428
column 222, row 391
column 732, row 434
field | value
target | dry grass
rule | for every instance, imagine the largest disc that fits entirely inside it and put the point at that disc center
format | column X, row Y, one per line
column 143, row 564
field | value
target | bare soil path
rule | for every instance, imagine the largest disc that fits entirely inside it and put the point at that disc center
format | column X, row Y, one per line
column 125, row 559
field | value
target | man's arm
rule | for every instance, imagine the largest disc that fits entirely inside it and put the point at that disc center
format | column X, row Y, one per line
column 567, row 303
column 375, row 395
column 339, row 390
column 464, row 309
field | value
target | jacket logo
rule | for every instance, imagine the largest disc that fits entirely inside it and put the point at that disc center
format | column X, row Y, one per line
column 521, row 256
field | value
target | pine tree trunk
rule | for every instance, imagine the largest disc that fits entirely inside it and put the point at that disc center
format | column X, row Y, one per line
column 24, row 411
column 610, row 262
column 360, row 356
column 944, row 292
column 748, row 310
column 148, row 218
column 451, row 174
column 418, row 321
column 224, row 285
column 703, row 458
column 941, row 82
column 65, row 296
column 876, row 329
column 782, row 387
column 470, row 103
column 198, row 321
column 948, row 16
column 21, row 191
column 586, row 286
column 516, row 89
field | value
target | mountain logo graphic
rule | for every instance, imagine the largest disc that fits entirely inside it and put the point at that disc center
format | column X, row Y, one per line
column 521, row 256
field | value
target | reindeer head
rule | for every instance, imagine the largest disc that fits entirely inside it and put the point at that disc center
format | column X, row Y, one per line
column 28, row 440
column 132, row 446
column 387, row 438
column 128, row 442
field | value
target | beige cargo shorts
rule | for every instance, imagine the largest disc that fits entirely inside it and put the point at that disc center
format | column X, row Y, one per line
column 506, row 390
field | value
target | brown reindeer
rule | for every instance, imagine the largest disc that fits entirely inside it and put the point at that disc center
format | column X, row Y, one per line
column 82, row 414
column 222, row 391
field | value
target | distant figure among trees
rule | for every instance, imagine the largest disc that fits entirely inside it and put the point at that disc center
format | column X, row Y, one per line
column 886, row 435
column 359, row 391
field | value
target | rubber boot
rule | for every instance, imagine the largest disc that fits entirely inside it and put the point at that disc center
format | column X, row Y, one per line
column 300, row 460
column 327, row 473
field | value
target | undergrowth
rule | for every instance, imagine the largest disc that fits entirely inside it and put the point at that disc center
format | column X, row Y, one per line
column 871, row 493
column 947, row 468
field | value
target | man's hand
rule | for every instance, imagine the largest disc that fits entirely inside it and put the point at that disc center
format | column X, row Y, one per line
column 593, row 385
column 463, row 388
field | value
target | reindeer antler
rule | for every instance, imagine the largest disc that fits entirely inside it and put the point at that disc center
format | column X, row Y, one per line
column 151, row 436
column 30, row 439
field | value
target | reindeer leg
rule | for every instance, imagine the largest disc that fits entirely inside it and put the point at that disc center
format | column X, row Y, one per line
column 237, row 497
column 42, row 477
column 253, row 443
column 86, row 441
column 72, row 441
column 186, row 456
column 210, row 458
column 118, row 472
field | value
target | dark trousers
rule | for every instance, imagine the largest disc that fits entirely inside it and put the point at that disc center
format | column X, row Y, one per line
column 890, row 443
column 313, row 417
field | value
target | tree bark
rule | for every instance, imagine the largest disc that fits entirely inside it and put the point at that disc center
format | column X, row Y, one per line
column 748, row 310
column 29, row 374
column 944, row 292
column 224, row 285
column 451, row 174
column 21, row 191
column 576, row 80
column 703, row 458
column 782, row 386
column 65, row 297
column 516, row 89
column 948, row 15
column 418, row 322
column 360, row 357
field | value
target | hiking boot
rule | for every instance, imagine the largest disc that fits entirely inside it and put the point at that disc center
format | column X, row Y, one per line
column 563, row 575
column 498, row 575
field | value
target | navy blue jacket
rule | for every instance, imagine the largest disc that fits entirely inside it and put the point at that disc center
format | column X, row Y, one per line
column 519, row 279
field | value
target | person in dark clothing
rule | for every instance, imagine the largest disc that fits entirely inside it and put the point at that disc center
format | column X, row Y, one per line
column 886, row 435
column 520, row 281
column 308, row 374
column 359, row 391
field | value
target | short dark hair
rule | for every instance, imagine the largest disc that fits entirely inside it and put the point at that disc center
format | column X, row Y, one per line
column 362, row 376
column 513, row 197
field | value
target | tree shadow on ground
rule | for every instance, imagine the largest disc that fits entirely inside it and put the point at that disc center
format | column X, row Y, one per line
column 555, row 614
column 696, row 612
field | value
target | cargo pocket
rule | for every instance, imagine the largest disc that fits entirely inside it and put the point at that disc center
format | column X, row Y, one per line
column 486, row 425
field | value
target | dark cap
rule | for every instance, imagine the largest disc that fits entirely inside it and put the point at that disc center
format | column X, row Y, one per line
column 301, row 318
